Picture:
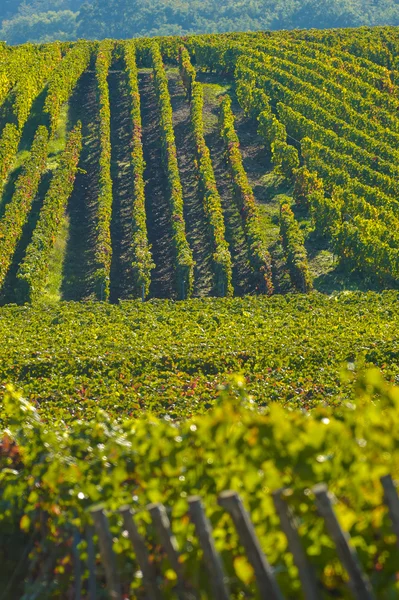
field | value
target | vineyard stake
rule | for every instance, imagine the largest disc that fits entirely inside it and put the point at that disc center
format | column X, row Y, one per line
column 107, row 554
column 358, row 581
column 212, row 559
column 77, row 566
column 168, row 540
column 288, row 525
column 91, row 564
column 392, row 501
column 266, row 581
column 146, row 567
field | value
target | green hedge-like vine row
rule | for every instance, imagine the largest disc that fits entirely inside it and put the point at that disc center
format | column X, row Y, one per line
column 28, row 71
column 33, row 270
column 32, row 81
column 322, row 113
column 344, row 148
column 5, row 83
column 211, row 198
column 312, row 154
column 142, row 261
column 9, row 143
column 16, row 63
column 17, row 211
column 260, row 257
column 294, row 248
column 186, row 69
column 103, row 245
column 366, row 244
column 367, row 241
column 256, row 103
column 273, row 78
column 361, row 222
column 65, row 78
column 335, row 82
column 184, row 257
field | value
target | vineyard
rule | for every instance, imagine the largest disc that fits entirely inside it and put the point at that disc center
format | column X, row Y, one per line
column 199, row 274
column 200, row 166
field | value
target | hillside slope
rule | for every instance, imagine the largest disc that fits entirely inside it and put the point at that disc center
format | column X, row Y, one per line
column 242, row 175
column 203, row 166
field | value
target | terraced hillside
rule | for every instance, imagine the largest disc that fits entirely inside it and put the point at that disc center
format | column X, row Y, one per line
column 201, row 166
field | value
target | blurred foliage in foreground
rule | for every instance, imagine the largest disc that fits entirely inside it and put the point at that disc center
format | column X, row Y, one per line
column 61, row 471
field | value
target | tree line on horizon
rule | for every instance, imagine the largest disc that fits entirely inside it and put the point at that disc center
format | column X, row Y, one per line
column 48, row 20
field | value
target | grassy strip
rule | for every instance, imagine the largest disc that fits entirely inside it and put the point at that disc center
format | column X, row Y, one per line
column 142, row 258
column 260, row 257
column 17, row 211
column 34, row 269
column 184, row 256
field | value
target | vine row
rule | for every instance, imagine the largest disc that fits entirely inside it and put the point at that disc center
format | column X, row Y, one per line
column 141, row 252
column 103, row 243
column 65, row 78
column 34, row 268
column 18, row 209
column 207, row 183
column 183, row 253
column 260, row 257
column 294, row 247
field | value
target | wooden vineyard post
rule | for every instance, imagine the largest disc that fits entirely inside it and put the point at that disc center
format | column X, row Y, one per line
column 162, row 525
column 358, row 581
column 266, row 581
column 91, row 564
column 140, row 549
column 107, row 554
column 77, row 566
column 212, row 559
column 287, row 521
column 392, row 501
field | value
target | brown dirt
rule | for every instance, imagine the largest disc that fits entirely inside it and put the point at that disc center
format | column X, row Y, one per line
column 157, row 205
column 243, row 276
column 79, row 258
column 122, row 279
column 194, row 215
